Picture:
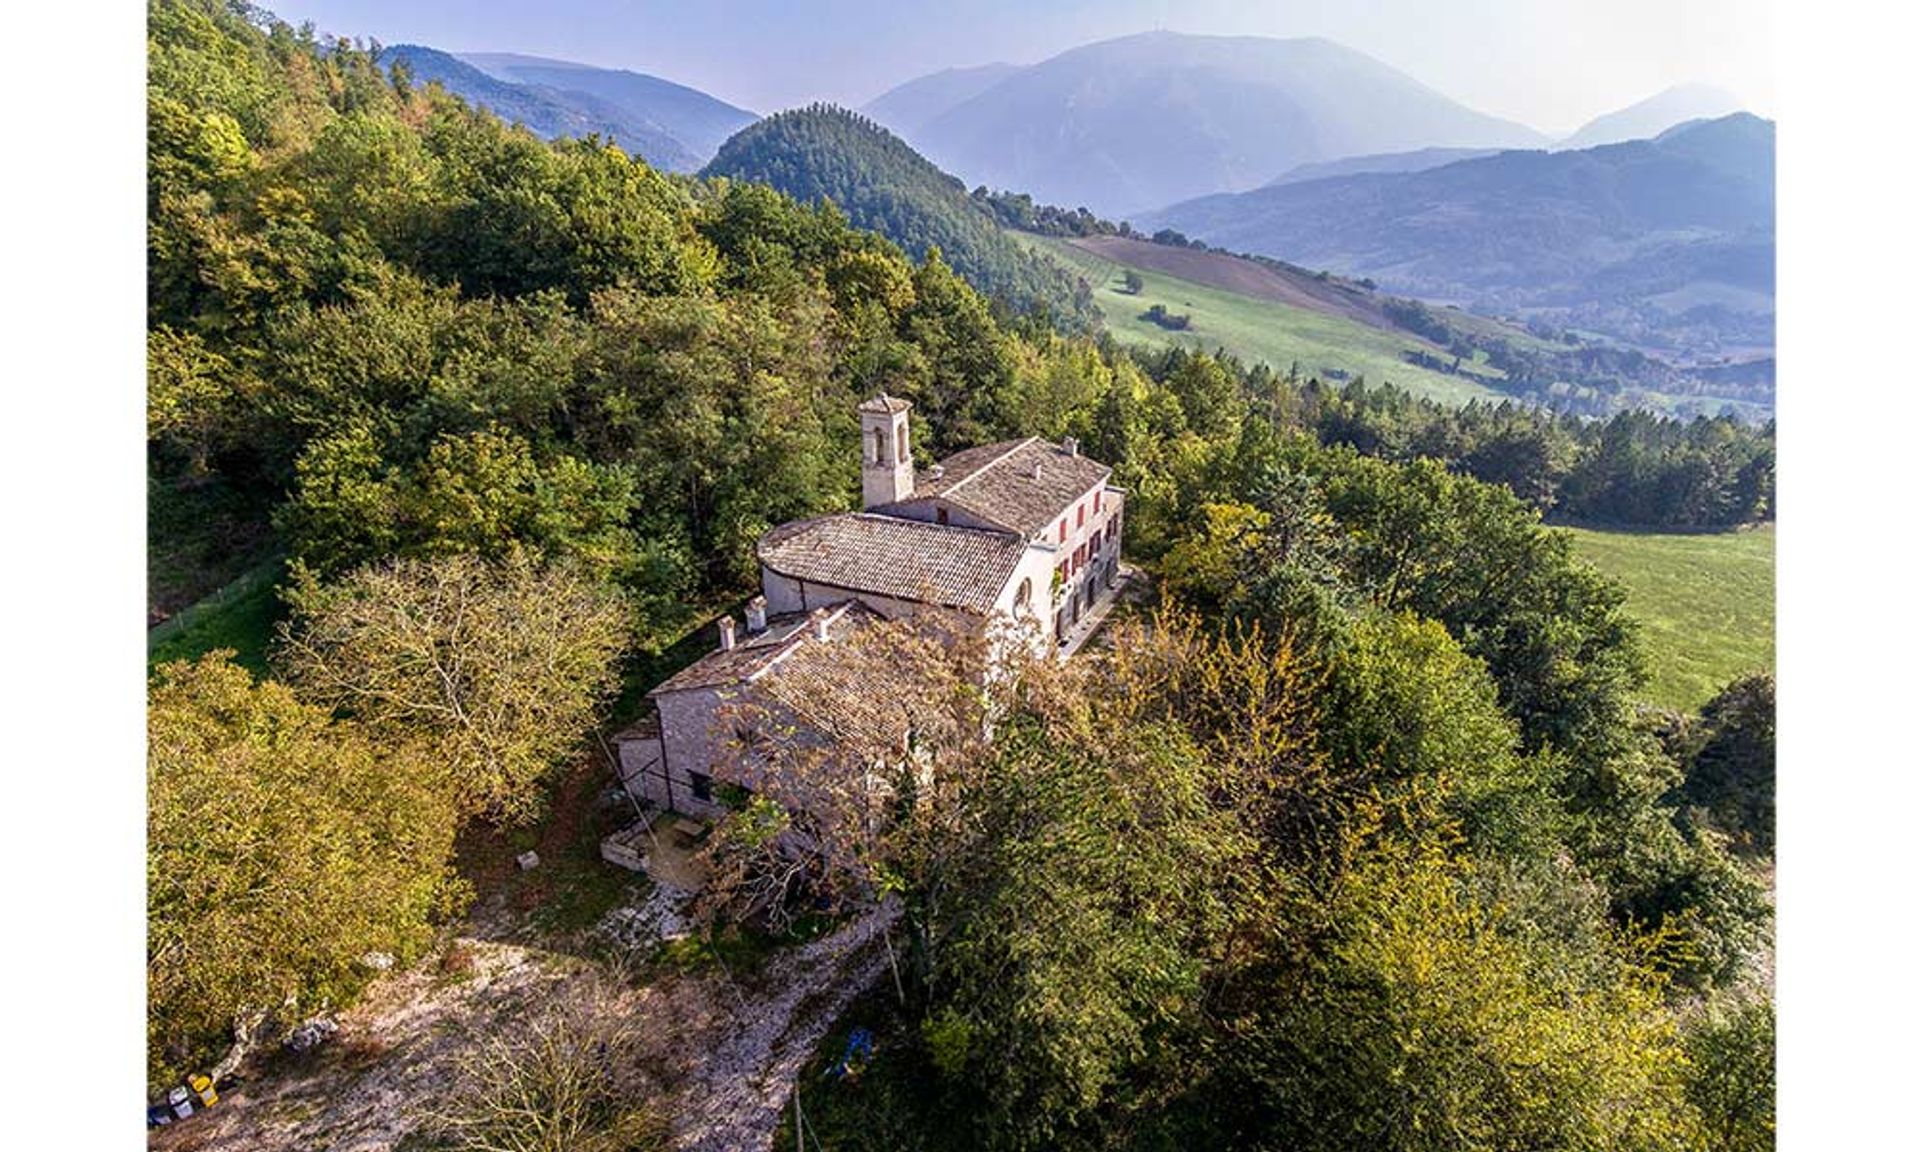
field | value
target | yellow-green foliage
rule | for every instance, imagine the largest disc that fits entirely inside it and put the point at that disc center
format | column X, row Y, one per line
column 282, row 846
column 1427, row 1024
column 503, row 667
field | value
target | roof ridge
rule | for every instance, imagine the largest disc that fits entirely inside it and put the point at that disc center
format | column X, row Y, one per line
column 800, row 636
column 988, row 466
column 932, row 525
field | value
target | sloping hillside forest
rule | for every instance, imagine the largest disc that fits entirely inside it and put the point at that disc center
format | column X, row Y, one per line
column 1360, row 838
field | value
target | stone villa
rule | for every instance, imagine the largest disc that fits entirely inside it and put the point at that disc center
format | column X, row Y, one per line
column 1025, row 532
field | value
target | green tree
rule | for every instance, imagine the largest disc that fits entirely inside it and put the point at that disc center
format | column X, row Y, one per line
column 1729, row 761
column 282, row 845
column 502, row 667
column 1732, row 1079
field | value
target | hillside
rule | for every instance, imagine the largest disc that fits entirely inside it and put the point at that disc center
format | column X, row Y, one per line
column 1657, row 113
column 1267, row 310
column 1664, row 243
column 698, row 121
column 1255, row 315
column 826, row 153
column 548, row 112
column 1418, row 160
column 1133, row 123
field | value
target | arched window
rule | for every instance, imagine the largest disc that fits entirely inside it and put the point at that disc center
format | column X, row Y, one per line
column 902, row 454
column 1023, row 599
column 879, row 445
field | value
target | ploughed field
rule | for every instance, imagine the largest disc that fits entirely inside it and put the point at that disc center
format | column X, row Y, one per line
column 1704, row 603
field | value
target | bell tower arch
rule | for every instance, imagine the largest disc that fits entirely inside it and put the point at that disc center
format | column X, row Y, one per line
column 886, row 451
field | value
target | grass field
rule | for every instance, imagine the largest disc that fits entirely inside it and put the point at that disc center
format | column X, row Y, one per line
column 1258, row 330
column 239, row 616
column 1704, row 603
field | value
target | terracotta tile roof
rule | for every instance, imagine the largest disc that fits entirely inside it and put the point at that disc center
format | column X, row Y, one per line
column 885, row 403
column 833, row 693
column 1025, row 485
column 888, row 556
column 756, row 652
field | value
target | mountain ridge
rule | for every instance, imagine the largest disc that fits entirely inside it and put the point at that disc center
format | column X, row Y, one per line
column 670, row 126
column 1127, row 124
column 1648, row 118
column 1643, row 239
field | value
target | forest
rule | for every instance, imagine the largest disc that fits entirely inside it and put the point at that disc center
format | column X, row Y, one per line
column 1364, row 838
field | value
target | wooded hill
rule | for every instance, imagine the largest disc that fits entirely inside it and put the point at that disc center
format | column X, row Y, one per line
column 823, row 153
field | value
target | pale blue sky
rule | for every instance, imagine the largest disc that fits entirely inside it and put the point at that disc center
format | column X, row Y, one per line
column 1553, row 65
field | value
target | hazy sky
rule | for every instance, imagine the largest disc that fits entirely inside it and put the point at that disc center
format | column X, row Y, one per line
column 1550, row 63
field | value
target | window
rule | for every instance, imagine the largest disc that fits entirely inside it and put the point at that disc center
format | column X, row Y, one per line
column 1096, row 500
column 902, row 454
column 879, row 445
column 940, row 515
column 702, row 786
column 1083, row 517
column 1063, row 529
column 1023, row 598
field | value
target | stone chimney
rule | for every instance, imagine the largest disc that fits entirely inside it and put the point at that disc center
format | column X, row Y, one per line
column 726, row 633
column 756, row 615
column 1070, row 446
column 820, row 623
column 886, row 452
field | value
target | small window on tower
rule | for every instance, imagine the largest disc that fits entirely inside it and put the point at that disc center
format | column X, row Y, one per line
column 902, row 454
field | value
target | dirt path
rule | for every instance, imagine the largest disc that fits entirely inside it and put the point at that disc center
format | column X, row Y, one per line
column 725, row 1051
column 740, row 1082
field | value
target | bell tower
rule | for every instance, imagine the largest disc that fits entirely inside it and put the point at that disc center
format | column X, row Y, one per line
column 886, row 452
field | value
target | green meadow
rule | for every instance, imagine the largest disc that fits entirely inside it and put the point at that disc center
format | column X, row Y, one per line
column 1704, row 603
column 1257, row 330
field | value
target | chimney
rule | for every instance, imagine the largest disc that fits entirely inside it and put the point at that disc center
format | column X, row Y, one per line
column 1034, row 472
column 1071, row 446
column 756, row 615
column 726, row 633
column 820, row 623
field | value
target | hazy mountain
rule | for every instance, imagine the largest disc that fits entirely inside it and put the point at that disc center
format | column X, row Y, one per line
column 882, row 184
column 1654, row 115
column 1665, row 241
column 1417, row 161
column 698, row 121
column 907, row 108
column 1128, row 124
column 669, row 125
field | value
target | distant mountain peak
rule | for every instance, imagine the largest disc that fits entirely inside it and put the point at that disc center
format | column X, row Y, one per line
column 1648, row 118
column 1137, row 121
